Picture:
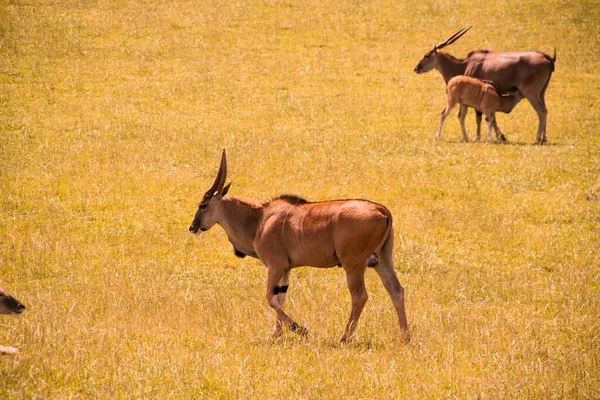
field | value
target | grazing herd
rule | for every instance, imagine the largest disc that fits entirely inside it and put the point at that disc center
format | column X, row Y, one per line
column 289, row 232
column 529, row 72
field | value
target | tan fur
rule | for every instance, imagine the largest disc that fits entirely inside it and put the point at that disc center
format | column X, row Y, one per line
column 480, row 95
column 290, row 232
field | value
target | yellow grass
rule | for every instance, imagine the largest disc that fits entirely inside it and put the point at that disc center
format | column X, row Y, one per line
column 113, row 116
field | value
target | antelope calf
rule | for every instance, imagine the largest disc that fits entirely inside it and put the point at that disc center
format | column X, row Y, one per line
column 482, row 96
column 9, row 305
column 290, row 232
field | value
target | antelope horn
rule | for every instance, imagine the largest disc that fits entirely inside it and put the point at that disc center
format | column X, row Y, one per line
column 217, row 185
column 453, row 38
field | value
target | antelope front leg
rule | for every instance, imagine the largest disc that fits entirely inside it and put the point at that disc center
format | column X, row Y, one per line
column 280, row 292
column 276, row 297
column 445, row 113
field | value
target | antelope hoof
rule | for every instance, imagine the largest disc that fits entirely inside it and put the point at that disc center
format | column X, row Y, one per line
column 300, row 330
column 277, row 333
column 346, row 339
column 405, row 337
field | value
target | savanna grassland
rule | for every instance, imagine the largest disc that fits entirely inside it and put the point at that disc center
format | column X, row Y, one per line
column 113, row 115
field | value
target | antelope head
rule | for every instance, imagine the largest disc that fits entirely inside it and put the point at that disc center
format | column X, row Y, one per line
column 509, row 99
column 209, row 208
column 430, row 59
column 10, row 305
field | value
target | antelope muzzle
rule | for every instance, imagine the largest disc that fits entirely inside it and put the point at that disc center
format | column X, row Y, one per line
column 10, row 305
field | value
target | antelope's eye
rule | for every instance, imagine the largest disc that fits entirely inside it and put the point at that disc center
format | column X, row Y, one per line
column 203, row 206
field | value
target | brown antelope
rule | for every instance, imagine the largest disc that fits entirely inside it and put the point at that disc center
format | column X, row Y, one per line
column 528, row 71
column 483, row 96
column 9, row 305
column 290, row 232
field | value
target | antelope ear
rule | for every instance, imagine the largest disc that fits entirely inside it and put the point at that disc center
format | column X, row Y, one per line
column 225, row 190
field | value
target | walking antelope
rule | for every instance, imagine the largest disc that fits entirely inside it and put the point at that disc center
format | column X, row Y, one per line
column 528, row 71
column 290, row 232
column 9, row 305
column 482, row 96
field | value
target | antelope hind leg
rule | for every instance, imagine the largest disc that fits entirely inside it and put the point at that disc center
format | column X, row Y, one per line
column 396, row 291
column 358, row 292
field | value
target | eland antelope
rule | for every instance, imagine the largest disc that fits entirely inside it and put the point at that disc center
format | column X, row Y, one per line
column 482, row 96
column 528, row 71
column 290, row 232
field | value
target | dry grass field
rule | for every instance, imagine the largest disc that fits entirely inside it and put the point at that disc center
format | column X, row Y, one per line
column 113, row 115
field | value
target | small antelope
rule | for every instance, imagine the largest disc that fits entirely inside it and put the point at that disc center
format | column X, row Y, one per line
column 290, row 232
column 9, row 305
column 482, row 96
column 528, row 71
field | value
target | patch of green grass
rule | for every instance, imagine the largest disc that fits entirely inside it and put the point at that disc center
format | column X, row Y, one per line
column 113, row 118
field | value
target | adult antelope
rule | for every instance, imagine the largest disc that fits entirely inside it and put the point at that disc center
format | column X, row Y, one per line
column 290, row 232
column 528, row 71
column 9, row 305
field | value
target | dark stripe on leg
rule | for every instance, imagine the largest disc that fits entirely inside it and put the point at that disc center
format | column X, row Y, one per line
column 276, row 290
column 283, row 289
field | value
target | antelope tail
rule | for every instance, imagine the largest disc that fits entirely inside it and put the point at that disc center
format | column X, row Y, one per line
column 552, row 60
column 373, row 259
